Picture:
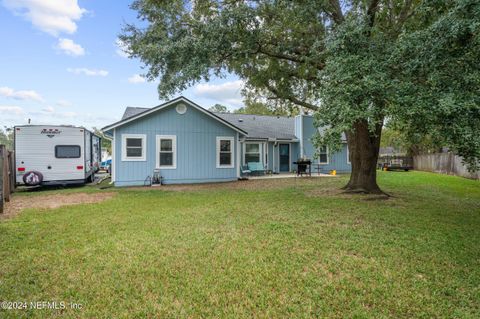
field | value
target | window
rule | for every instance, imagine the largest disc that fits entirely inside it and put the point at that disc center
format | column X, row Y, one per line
column 323, row 155
column 166, row 151
column 133, row 147
column 348, row 156
column 67, row 151
column 252, row 153
column 225, row 152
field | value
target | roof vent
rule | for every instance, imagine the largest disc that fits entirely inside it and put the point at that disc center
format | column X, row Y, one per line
column 240, row 120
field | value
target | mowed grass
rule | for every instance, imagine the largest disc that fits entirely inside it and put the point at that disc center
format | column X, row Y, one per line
column 296, row 250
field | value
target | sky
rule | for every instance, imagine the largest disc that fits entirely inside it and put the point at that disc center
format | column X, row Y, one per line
column 61, row 63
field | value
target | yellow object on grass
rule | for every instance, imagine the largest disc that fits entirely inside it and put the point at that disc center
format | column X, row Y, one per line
column 333, row 172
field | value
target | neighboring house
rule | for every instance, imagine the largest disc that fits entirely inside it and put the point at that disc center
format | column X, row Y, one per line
column 190, row 144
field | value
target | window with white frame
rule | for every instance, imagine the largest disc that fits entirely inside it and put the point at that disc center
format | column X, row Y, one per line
column 133, row 147
column 252, row 153
column 166, row 151
column 225, row 154
column 323, row 155
column 348, row 156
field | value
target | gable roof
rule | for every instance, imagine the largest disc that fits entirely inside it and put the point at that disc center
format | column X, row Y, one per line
column 141, row 112
column 255, row 126
column 131, row 111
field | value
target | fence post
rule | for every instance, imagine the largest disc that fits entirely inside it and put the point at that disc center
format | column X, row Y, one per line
column 11, row 161
column 7, row 189
column 2, row 170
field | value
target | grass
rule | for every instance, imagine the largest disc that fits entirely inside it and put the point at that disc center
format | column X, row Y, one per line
column 300, row 250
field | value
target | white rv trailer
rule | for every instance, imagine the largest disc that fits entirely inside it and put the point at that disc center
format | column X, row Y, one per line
column 49, row 154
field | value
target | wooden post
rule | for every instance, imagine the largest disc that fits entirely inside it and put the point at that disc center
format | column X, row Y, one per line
column 13, row 181
column 6, row 176
column 2, row 163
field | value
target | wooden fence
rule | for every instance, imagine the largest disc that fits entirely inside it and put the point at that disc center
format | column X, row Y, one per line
column 445, row 163
column 7, row 175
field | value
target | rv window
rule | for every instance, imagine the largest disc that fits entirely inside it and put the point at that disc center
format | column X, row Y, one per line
column 67, row 151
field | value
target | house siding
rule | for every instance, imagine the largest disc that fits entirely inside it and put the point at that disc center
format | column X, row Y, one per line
column 196, row 135
column 337, row 161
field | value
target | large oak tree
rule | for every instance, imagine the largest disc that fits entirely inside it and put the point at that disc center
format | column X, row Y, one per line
column 356, row 64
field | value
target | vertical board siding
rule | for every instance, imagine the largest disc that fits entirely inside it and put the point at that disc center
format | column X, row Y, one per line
column 196, row 148
column 337, row 161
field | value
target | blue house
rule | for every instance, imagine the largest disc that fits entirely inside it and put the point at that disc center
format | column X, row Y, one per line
column 189, row 144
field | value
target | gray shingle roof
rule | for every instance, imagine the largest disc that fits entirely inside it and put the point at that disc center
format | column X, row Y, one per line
column 257, row 126
column 131, row 111
column 262, row 126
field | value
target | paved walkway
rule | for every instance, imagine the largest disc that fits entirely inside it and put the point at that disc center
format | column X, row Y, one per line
column 289, row 175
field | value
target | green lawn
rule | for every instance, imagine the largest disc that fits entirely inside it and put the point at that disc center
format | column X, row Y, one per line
column 299, row 250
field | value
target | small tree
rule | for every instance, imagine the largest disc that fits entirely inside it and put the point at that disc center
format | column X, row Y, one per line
column 355, row 63
column 219, row 108
column 6, row 137
column 258, row 104
column 106, row 142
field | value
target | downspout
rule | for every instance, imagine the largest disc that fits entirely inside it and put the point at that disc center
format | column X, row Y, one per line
column 238, row 156
column 114, row 166
column 302, row 153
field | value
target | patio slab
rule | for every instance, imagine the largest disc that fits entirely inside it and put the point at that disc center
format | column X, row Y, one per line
column 288, row 175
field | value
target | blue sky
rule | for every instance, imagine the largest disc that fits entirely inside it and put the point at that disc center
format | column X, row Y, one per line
column 60, row 63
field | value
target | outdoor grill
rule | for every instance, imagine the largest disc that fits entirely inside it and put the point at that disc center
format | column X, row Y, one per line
column 304, row 166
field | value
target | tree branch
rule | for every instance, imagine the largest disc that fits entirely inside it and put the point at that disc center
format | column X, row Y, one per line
column 261, row 49
column 291, row 98
column 336, row 12
column 372, row 11
column 405, row 13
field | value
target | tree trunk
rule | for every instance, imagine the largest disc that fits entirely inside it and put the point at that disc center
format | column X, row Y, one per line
column 363, row 147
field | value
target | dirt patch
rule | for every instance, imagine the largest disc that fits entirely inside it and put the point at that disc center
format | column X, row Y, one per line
column 18, row 203
column 252, row 184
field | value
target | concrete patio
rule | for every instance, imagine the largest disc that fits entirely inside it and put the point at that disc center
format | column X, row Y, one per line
column 289, row 175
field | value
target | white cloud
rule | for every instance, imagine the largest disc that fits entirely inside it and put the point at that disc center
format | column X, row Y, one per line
column 16, row 115
column 228, row 92
column 20, row 95
column 66, row 115
column 50, row 16
column 136, row 78
column 49, row 109
column 69, row 47
column 88, row 72
column 9, row 110
column 121, row 48
column 63, row 103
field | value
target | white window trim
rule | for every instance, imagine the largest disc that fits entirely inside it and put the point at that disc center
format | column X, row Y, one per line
column 260, row 152
column 348, row 156
column 174, row 150
column 125, row 158
column 328, row 157
column 232, row 150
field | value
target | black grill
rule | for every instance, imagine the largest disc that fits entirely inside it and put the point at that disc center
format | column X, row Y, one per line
column 304, row 167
